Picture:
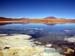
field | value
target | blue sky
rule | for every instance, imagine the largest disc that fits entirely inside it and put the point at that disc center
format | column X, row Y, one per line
column 37, row 8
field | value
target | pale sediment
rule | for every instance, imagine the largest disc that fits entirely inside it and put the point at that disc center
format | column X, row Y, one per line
column 20, row 45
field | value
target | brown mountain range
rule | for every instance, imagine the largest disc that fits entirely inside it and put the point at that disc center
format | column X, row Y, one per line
column 47, row 20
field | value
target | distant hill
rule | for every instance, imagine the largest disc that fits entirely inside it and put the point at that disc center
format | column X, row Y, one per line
column 47, row 20
column 3, row 18
column 50, row 17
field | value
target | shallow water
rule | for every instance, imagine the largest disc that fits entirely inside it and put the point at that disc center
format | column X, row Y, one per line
column 38, row 30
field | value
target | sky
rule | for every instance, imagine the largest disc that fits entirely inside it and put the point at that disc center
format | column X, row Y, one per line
column 37, row 8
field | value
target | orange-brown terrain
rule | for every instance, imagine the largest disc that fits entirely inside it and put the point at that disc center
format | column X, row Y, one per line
column 47, row 20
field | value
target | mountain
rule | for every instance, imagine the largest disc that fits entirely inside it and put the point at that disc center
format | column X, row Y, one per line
column 51, row 17
column 47, row 20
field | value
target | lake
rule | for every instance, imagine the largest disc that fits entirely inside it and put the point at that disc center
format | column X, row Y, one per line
column 58, row 31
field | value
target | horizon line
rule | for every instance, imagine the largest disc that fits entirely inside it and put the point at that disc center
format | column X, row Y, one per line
column 37, row 17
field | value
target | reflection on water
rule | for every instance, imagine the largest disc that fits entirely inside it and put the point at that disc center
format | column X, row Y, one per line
column 39, row 30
